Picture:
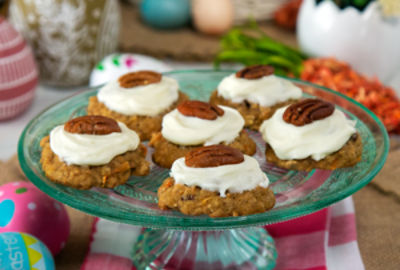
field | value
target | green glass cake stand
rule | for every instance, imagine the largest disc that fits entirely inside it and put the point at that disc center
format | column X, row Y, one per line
column 176, row 241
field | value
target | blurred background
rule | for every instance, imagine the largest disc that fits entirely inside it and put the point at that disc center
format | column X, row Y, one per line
column 351, row 46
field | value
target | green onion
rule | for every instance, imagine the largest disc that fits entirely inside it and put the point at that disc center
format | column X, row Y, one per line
column 250, row 46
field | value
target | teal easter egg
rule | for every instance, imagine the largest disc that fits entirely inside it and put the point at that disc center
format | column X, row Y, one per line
column 165, row 14
column 7, row 208
column 24, row 251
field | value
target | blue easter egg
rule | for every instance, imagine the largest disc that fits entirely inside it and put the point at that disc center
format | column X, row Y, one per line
column 24, row 251
column 165, row 14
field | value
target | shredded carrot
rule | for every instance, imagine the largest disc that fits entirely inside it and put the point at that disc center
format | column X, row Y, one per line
column 339, row 76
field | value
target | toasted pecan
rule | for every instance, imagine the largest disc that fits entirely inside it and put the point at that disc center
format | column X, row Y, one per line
column 213, row 156
column 255, row 72
column 92, row 124
column 306, row 111
column 200, row 109
column 139, row 78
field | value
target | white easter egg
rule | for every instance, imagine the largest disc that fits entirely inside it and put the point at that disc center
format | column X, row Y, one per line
column 115, row 65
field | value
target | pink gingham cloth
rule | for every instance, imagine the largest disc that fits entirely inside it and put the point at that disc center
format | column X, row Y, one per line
column 325, row 240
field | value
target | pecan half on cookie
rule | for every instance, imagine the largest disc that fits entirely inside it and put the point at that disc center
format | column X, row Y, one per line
column 200, row 109
column 255, row 72
column 92, row 124
column 213, row 156
column 139, row 78
column 307, row 111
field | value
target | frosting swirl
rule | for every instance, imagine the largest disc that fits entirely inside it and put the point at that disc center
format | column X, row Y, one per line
column 87, row 149
column 234, row 178
column 188, row 130
column 149, row 100
column 316, row 140
column 265, row 91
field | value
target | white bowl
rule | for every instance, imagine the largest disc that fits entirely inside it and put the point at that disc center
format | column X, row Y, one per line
column 367, row 40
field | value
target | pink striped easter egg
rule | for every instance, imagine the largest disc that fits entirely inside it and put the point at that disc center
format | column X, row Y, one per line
column 18, row 72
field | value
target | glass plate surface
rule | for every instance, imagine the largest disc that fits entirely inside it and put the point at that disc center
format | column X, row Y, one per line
column 298, row 193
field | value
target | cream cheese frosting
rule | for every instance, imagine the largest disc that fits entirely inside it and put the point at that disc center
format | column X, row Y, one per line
column 187, row 130
column 234, row 178
column 149, row 100
column 87, row 149
column 265, row 91
column 316, row 140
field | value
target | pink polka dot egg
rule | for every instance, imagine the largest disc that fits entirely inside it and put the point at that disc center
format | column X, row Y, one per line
column 24, row 208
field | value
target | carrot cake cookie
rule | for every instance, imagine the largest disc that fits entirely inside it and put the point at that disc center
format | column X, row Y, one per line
column 311, row 134
column 256, row 93
column 218, row 181
column 92, row 151
column 138, row 99
column 195, row 123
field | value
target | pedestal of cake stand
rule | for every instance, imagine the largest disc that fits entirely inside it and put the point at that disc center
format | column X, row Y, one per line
column 246, row 248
